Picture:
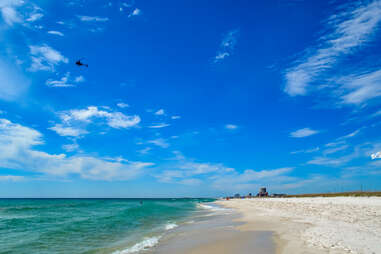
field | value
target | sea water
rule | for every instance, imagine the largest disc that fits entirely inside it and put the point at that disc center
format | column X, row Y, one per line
column 112, row 226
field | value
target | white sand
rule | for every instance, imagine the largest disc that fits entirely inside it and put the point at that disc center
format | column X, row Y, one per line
column 324, row 225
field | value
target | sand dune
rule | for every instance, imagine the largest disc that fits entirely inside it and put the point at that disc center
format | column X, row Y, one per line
column 316, row 225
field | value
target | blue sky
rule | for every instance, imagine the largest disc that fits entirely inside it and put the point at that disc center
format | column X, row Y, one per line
column 188, row 98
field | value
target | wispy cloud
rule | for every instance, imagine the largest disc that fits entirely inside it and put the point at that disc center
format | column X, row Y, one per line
column 359, row 88
column 70, row 147
column 56, row 33
column 350, row 29
column 231, row 126
column 45, row 58
column 376, row 155
column 64, row 81
column 160, row 112
column 93, row 19
column 68, row 131
column 161, row 142
column 227, row 45
column 160, row 125
column 311, row 150
column 34, row 17
column 9, row 13
column 122, row 105
column 79, row 79
column 175, row 117
column 135, row 12
column 301, row 133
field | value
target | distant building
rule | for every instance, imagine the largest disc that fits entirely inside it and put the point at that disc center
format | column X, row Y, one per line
column 237, row 195
column 262, row 192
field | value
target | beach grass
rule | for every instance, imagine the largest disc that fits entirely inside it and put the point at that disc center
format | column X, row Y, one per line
column 339, row 194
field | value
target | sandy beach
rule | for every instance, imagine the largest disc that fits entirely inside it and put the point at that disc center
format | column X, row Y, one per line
column 314, row 225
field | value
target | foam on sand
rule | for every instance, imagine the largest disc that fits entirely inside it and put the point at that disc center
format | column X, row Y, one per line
column 143, row 245
column 333, row 224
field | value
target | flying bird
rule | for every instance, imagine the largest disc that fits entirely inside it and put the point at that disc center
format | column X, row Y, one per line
column 79, row 63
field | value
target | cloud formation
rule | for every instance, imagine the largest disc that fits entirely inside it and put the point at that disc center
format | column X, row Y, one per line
column 227, row 45
column 350, row 30
column 93, row 19
column 18, row 143
column 301, row 133
column 56, row 33
column 74, row 122
column 45, row 58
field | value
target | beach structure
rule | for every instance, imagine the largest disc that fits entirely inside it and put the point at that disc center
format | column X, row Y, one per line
column 263, row 192
column 237, row 195
column 275, row 195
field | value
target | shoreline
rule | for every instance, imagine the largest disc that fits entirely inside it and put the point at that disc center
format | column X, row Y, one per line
column 314, row 225
column 216, row 232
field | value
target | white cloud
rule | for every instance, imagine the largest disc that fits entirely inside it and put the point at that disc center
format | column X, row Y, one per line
column 145, row 150
column 67, row 131
column 350, row 30
column 122, row 105
column 359, row 88
column 335, row 149
column 227, row 45
column 45, row 58
column 92, row 19
column 9, row 13
column 159, row 142
column 160, row 125
column 56, row 33
column 35, row 17
column 70, row 147
column 328, row 161
column 160, row 112
column 231, row 126
column 175, row 117
column 63, row 82
column 135, row 12
column 312, row 150
column 116, row 120
column 376, row 155
column 79, row 79
column 17, row 144
column 301, row 133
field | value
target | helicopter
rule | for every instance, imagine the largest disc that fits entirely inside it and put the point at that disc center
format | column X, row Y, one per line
column 79, row 63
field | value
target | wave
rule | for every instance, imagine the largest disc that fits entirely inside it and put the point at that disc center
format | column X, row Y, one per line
column 213, row 208
column 143, row 245
column 170, row 226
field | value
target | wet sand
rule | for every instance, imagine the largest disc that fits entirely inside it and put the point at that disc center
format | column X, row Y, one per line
column 216, row 233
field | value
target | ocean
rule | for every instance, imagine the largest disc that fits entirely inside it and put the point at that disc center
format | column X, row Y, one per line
column 104, row 226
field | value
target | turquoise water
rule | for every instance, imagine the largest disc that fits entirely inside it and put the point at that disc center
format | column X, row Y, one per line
column 117, row 226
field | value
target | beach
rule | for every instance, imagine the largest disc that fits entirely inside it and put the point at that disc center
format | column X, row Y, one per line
column 313, row 225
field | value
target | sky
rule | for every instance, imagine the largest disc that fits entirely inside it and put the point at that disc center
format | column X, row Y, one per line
column 189, row 98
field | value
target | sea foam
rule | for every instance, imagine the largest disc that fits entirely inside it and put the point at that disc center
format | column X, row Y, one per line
column 170, row 226
column 143, row 245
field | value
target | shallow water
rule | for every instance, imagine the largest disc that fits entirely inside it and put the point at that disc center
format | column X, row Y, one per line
column 215, row 232
column 115, row 226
